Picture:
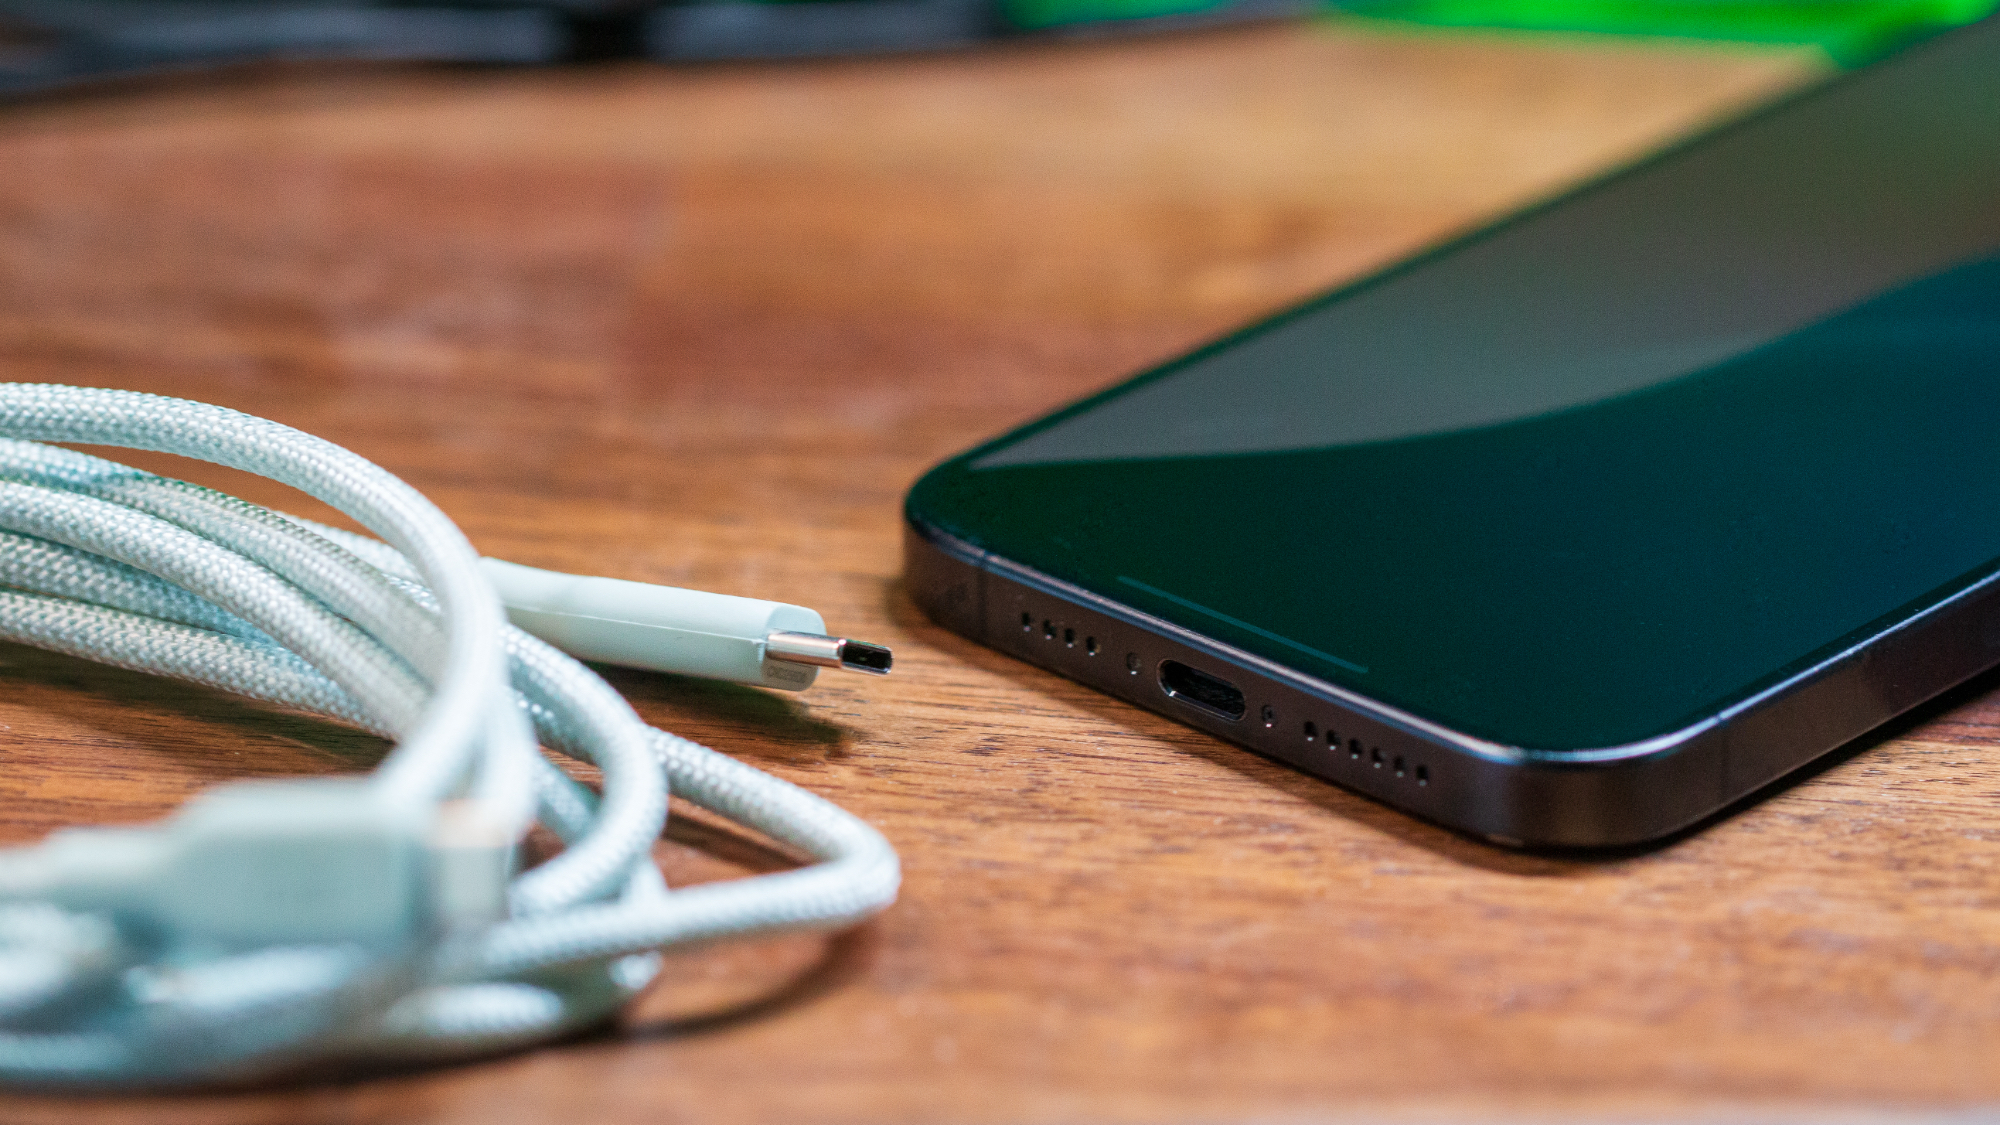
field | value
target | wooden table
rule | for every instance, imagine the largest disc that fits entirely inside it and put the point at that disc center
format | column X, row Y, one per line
column 705, row 326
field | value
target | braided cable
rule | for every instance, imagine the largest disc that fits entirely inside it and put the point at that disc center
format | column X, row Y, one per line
column 401, row 636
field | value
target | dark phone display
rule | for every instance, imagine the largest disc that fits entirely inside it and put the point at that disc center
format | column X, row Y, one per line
column 1593, row 475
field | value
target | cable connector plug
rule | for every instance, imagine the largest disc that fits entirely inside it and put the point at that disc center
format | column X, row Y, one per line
column 268, row 863
column 828, row 652
column 668, row 629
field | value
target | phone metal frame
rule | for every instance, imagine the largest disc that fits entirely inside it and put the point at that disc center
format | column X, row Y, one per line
column 1609, row 797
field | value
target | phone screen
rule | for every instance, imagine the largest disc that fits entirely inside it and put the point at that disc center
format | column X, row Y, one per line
column 1595, row 474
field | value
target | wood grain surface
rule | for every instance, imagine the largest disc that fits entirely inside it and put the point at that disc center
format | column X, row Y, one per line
column 705, row 327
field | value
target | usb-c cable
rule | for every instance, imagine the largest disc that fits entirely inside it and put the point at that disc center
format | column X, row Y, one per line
column 277, row 924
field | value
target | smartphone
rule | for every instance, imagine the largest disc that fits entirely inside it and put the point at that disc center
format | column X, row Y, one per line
column 1572, row 532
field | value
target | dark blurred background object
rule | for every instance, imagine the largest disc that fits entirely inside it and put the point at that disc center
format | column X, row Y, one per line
column 51, row 44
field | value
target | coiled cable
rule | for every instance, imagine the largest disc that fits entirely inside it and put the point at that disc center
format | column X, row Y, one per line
column 107, row 979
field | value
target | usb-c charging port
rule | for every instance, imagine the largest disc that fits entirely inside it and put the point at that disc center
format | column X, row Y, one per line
column 1210, row 693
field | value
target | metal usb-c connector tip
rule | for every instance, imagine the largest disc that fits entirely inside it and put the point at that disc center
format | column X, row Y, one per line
column 828, row 652
column 860, row 656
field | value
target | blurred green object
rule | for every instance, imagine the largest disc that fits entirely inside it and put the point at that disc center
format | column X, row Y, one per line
column 1852, row 31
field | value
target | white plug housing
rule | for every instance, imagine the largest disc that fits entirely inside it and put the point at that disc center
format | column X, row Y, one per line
column 662, row 628
column 261, row 863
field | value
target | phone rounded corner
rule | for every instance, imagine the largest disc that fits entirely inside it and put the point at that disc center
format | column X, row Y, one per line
column 944, row 576
column 1613, row 799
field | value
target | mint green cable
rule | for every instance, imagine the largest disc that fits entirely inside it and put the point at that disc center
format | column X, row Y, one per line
column 105, row 562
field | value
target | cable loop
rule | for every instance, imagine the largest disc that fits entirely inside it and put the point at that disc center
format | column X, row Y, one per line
column 403, row 637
